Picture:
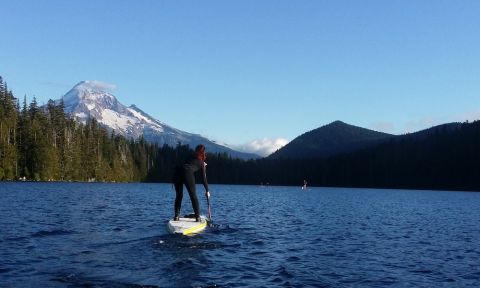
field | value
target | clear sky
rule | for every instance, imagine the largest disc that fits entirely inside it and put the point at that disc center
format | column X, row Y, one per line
column 240, row 71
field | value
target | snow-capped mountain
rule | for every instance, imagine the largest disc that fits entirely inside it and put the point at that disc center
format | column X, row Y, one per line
column 88, row 100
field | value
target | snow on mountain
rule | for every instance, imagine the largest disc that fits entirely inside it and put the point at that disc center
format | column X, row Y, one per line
column 91, row 99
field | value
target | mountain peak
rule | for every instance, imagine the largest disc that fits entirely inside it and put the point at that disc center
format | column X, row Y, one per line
column 94, row 85
column 331, row 139
column 337, row 122
column 91, row 89
column 89, row 93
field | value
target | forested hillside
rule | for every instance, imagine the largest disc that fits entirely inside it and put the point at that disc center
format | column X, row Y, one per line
column 42, row 143
column 329, row 140
column 444, row 159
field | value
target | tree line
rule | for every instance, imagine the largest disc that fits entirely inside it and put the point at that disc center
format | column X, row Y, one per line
column 42, row 143
column 442, row 160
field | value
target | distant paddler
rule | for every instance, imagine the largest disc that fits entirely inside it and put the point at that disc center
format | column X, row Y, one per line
column 304, row 187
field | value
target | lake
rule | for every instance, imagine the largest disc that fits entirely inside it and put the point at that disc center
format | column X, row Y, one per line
column 104, row 235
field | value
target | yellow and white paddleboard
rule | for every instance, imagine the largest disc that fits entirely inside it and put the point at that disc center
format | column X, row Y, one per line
column 187, row 226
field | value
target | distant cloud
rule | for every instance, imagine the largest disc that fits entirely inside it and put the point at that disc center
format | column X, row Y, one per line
column 262, row 147
column 428, row 122
column 469, row 115
column 422, row 123
column 386, row 127
column 98, row 85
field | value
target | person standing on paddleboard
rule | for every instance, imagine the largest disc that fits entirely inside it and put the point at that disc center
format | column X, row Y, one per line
column 186, row 175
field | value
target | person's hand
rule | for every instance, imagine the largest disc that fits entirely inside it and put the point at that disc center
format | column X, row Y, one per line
column 207, row 194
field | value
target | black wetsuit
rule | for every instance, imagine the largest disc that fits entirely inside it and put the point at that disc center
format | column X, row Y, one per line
column 186, row 175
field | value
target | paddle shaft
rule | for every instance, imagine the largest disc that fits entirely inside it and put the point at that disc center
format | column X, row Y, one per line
column 209, row 210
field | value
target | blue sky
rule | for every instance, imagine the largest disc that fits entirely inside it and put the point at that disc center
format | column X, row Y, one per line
column 254, row 73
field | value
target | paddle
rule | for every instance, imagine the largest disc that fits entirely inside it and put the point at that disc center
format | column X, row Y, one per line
column 209, row 210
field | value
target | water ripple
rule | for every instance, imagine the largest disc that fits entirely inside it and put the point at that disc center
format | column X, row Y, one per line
column 114, row 235
column 48, row 233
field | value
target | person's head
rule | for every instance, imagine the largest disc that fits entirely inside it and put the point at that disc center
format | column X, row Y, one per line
column 200, row 152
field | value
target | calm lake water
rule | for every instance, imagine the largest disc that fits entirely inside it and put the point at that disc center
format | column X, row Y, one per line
column 104, row 235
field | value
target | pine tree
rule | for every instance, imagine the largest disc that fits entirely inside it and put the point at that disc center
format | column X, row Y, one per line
column 8, row 130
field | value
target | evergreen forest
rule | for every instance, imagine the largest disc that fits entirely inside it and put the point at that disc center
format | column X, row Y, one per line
column 42, row 143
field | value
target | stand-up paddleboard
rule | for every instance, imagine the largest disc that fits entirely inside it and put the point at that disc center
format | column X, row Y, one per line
column 187, row 225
